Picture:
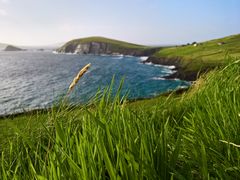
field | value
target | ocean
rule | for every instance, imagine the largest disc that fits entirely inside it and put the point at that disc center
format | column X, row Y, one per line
column 32, row 80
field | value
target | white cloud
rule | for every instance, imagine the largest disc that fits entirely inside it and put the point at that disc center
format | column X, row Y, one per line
column 3, row 12
column 4, row 1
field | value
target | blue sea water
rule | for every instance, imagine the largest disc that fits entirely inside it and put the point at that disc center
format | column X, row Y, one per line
column 31, row 80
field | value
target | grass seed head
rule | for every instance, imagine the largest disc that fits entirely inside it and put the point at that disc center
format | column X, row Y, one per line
column 77, row 78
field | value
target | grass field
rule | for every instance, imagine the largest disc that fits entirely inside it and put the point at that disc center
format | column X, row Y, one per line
column 115, row 44
column 209, row 53
column 190, row 136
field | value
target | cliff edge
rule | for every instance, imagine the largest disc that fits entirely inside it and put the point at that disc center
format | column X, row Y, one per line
column 192, row 60
column 101, row 45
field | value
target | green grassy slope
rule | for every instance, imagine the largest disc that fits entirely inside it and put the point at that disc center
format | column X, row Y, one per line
column 101, row 45
column 207, row 53
column 113, row 42
column 106, row 46
column 192, row 136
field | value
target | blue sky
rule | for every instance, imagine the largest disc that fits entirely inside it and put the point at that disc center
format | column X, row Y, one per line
column 154, row 22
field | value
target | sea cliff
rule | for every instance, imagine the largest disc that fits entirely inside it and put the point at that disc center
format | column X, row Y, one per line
column 192, row 60
column 99, row 45
column 182, row 72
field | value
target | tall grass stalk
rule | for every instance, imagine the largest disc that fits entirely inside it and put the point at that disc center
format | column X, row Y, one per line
column 77, row 78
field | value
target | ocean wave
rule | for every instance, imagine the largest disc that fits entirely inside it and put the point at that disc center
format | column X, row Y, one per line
column 148, row 63
column 176, row 79
column 158, row 78
column 143, row 58
column 182, row 87
column 68, row 53
column 71, row 53
column 169, row 71
column 165, row 66
column 162, row 78
column 117, row 57
column 171, row 67
column 105, row 55
column 55, row 52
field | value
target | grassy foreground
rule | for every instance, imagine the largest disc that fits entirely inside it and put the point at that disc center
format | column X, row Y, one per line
column 192, row 136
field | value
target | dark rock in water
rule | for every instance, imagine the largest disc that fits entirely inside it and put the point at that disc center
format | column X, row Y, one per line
column 12, row 48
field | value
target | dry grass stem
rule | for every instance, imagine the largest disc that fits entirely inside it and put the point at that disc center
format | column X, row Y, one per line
column 79, row 75
column 233, row 144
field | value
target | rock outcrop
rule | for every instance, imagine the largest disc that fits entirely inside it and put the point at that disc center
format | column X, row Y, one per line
column 12, row 48
column 165, row 61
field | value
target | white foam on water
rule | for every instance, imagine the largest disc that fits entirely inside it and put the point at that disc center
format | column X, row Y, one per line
column 143, row 58
column 162, row 78
column 148, row 63
column 182, row 87
column 68, row 53
column 158, row 78
column 171, row 67
column 105, row 55
column 128, row 56
column 55, row 52
column 160, row 65
column 117, row 57
column 165, row 66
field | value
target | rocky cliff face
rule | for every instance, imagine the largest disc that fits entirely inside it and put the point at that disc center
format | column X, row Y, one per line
column 165, row 61
column 104, row 48
column 182, row 72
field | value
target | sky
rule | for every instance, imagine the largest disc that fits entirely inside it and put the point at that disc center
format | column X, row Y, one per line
column 149, row 22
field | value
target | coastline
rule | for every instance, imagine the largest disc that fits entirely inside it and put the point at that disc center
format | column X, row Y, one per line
column 47, row 109
column 180, row 72
column 138, row 60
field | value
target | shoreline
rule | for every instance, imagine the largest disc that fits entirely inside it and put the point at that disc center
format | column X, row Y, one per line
column 181, row 72
column 129, row 101
column 20, row 112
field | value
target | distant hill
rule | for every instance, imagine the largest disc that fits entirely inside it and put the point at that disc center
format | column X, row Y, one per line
column 2, row 46
column 12, row 48
column 101, row 45
column 48, row 47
